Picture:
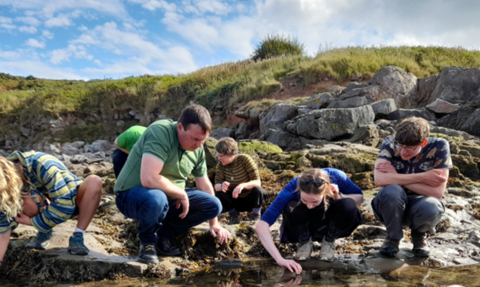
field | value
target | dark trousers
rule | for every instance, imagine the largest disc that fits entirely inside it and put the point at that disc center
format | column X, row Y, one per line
column 300, row 223
column 158, row 216
column 394, row 208
column 255, row 198
column 118, row 159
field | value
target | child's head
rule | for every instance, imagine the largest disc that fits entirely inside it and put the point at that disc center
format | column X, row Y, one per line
column 314, row 187
column 11, row 201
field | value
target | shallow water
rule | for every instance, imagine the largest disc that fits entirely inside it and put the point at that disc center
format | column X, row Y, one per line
column 267, row 273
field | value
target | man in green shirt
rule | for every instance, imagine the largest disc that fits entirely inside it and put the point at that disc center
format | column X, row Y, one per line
column 124, row 143
column 151, row 186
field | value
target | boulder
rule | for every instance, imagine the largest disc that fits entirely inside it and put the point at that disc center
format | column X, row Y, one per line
column 457, row 85
column 406, row 113
column 440, row 106
column 210, row 153
column 366, row 135
column 336, row 90
column 472, row 123
column 330, row 124
column 222, row 132
column 354, row 85
column 256, row 146
column 425, row 88
column 100, row 145
column 383, row 107
column 395, row 79
column 277, row 115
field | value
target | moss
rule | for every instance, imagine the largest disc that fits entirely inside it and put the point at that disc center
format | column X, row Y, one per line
column 258, row 146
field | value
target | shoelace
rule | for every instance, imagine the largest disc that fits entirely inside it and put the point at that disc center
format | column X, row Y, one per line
column 149, row 248
column 78, row 241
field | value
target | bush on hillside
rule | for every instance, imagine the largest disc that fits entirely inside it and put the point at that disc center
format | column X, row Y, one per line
column 278, row 45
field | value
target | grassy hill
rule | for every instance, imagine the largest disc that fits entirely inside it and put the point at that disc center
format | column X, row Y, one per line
column 225, row 84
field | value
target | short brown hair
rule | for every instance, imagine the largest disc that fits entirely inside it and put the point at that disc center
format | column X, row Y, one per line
column 196, row 115
column 226, row 146
column 412, row 131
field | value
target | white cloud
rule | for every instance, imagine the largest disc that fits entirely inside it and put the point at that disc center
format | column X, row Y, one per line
column 32, row 21
column 59, row 21
column 9, row 54
column 8, row 26
column 47, row 34
column 5, row 20
column 35, row 43
column 28, row 29
column 78, row 51
column 98, row 62
column 49, row 8
column 152, row 5
column 39, row 69
column 139, row 55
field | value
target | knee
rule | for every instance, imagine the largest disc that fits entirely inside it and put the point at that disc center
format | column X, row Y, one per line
column 431, row 210
column 391, row 194
column 94, row 184
column 216, row 206
column 345, row 205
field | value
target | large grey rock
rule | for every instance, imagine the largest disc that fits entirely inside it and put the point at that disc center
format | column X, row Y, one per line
column 367, row 135
column 100, row 145
column 68, row 149
column 383, row 108
column 377, row 93
column 349, row 103
column 457, row 85
column 440, row 106
column 336, row 90
column 456, row 120
column 472, row 124
column 277, row 115
column 222, row 132
column 283, row 139
column 395, row 79
column 330, row 124
column 406, row 113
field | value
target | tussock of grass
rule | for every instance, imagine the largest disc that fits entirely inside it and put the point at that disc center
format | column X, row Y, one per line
column 221, row 85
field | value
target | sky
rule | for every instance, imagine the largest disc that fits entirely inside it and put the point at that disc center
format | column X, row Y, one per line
column 98, row 39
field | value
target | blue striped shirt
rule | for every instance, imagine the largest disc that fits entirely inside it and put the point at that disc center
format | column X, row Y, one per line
column 49, row 178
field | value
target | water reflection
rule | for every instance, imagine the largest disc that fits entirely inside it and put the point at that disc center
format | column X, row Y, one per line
column 267, row 273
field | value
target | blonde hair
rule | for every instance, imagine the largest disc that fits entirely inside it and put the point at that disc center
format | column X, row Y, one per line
column 11, row 201
column 310, row 182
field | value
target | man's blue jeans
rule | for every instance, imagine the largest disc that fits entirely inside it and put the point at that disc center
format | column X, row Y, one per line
column 158, row 216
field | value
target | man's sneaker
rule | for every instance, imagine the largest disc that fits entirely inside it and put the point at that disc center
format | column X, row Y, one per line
column 254, row 216
column 147, row 254
column 420, row 247
column 164, row 248
column 76, row 245
column 327, row 252
column 304, row 251
column 389, row 247
column 41, row 241
column 234, row 218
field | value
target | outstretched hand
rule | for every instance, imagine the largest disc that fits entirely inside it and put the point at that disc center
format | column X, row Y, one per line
column 222, row 233
column 291, row 265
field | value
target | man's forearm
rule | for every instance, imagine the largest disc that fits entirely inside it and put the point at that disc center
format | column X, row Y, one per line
column 382, row 178
column 165, row 185
column 427, row 190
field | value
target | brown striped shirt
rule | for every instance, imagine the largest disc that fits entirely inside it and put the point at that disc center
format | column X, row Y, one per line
column 242, row 169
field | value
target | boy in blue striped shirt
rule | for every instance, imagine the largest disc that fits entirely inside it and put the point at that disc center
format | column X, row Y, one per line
column 37, row 189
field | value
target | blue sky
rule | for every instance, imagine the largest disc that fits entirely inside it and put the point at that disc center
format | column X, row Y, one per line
column 96, row 39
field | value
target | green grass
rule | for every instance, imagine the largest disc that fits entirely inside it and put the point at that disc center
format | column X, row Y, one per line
column 227, row 84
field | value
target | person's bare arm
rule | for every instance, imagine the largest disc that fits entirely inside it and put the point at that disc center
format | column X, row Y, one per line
column 4, row 239
column 151, row 178
column 263, row 231
column 427, row 190
column 358, row 198
column 120, row 148
column 245, row 185
column 430, row 183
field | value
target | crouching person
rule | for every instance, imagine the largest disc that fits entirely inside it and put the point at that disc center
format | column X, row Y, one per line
column 237, row 182
column 37, row 189
column 413, row 170
column 319, row 205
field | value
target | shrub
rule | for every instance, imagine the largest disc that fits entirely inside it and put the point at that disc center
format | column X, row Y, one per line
column 277, row 45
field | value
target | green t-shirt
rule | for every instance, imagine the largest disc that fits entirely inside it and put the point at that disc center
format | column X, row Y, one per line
column 129, row 137
column 161, row 141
